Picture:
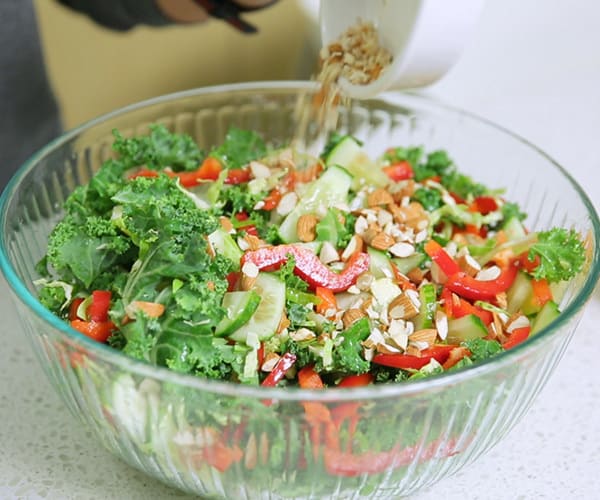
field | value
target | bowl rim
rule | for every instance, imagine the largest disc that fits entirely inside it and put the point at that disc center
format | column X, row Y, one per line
column 118, row 360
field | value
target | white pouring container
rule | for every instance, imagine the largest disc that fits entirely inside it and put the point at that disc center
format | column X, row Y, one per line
column 425, row 37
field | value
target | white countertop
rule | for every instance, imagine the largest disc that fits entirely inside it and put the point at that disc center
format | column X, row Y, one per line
column 533, row 67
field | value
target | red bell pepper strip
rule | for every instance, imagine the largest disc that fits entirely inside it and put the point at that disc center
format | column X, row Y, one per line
column 98, row 309
column 73, row 308
column 408, row 362
column 272, row 200
column 309, row 267
column 528, row 265
column 517, row 336
column 99, row 331
column 249, row 228
column 237, row 176
column 541, row 292
column 461, row 307
column 399, row 171
column 438, row 255
column 284, row 363
column 356, row 380
column 484, row 205
column 468, row 287
column 455, row 356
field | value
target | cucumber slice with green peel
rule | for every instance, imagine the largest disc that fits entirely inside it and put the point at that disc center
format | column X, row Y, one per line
column 547, row 315
column 328, row 190
column 265, row 320
column 379, row 264
column 407, row 264
column 468, row 327
column 519, row 292
column 428, row 299
column 350, row 155
column 239, row 307
column 223, row 243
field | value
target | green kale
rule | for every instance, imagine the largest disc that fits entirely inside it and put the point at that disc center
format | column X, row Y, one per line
column 297, row 315
column 430, row 198
column 346, row 235
column 561, row 254
column 412, row 155
column 53, row 297
column 347, row 355
column 436, row 164
column 462, row 185
column 482, row 348
column 286, row 274
column 512, row 210
column 237, row 198
column 82, row 250
column 239, row 148
column 158, row 150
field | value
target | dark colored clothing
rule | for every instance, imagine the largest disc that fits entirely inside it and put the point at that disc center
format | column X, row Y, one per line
column 29, row 115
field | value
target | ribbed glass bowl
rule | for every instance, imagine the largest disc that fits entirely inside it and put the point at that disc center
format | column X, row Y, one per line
column 184, row 430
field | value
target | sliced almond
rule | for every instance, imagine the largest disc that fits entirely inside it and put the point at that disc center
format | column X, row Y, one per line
column 468, row 264
column 379, row 197
column 502, row 300
column 402, row 307
column 247, row 282
column 328, row 253
column 350, row 316
column 402, row 249
column 284, row 322
column 287, row 203
column 306, row 227
column 259, row 170
column 382, row 241
column 254, row 242
column 226, row 224
column 270, row 361
column 354, row 245
column 413, row 350
column 251, row 453
column 517, row 321
column 302, row 334
column 488, row 274
column 387, row 349
column 427, row 335
column 498, row 327
column 403, row 189
column 416, row 275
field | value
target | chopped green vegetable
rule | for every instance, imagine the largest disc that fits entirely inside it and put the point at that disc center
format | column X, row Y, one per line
column 561, row 254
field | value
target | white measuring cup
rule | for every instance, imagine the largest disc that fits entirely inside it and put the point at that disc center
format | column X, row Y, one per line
column 425, row 37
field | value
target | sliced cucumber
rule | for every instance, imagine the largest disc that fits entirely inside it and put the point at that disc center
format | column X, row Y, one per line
column 224, row 244
column 519, row 293
column 468, row 327
column 379, row 264
column 547, row 315
column 265, row 320
column 240, row 306
column 329, row 189
column 350, row 155
column 407, row 264
column 428, row 298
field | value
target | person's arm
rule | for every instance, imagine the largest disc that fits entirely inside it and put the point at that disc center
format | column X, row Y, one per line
column 125, row 14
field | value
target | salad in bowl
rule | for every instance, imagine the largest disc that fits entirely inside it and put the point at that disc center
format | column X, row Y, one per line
column 243, row 317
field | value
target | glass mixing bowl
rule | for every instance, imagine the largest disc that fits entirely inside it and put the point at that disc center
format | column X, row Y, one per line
column 219, row 439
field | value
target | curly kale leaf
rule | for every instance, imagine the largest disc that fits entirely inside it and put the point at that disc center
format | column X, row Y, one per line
column 482, row 348
column 239, row 148
column 82, row 251
column 430, row 198
column 561, row 253
column 347, row 356
column 158, row 150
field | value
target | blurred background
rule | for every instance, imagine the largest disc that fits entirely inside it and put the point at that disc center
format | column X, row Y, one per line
column 95, row 70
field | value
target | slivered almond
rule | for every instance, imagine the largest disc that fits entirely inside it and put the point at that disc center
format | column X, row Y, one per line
column 226, row 224
column 284, row 322
column 413, row 350
column 364, row 307
column 498, row 327
column 354, row 245
column 254, row 242
column 382, row 241
column 468, row 264
column 247, row 282
column 350, row 316
column 269, row 362
column 501, row 300
column 427, row 335
column 306, row 227
column 387, row 349
column 302, row 334
column 379, row 197
column 251, row 453
column 402, row 308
